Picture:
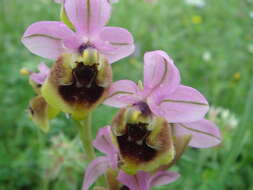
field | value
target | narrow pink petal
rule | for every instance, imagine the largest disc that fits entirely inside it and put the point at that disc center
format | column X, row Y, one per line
column 135, row 182
column 204, row 133
column 116, row 36
column 163, row 178
column 95, row 169
column 48, row 39
column 119, row 53
column 185, row 104
column 122, row 93
column 88, row 16
column 117, row 43
column 160, row 73
column 41, row 76
column 103, row 142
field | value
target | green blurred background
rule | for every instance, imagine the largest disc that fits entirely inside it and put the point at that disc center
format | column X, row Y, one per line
column 213, row 48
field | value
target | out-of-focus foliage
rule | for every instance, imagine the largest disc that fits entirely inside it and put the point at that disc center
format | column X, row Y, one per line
column 213, row 47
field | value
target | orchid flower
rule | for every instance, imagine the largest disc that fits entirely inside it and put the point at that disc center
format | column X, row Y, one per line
column 101, row 165
column 81, row 76
column 39, row 110
column 51, row 39
column 163, row 95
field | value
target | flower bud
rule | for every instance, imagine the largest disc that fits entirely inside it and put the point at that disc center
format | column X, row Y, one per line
column 78, row 83
column 40, row 112
column 145, row 141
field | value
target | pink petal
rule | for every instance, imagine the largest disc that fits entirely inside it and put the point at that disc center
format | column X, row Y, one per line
column 204, row 133
column 49, row 39
column 163, row 178
column 103, row 142
column 95, row 169
column 135, row 182
column 88, row 16
column 41, row 76
column 185, row 104
column 119, row 53
column 122, row 93
column 160, row 73
column 117, row 43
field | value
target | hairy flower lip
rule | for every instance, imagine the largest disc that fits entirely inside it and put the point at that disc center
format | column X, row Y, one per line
column 78, row 83
column 84, row 76
column 139, row 143
column 81, row 91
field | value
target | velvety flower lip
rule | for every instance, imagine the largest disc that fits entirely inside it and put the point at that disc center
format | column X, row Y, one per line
column 145, row 142
column 41, row 76
column 78, row 84
column 167, row 98
column 50, row 39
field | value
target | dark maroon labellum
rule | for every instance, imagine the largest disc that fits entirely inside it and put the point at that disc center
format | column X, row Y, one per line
column 83, row 88
column 133, row 145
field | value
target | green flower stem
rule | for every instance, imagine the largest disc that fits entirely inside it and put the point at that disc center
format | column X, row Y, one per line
column 85, row 132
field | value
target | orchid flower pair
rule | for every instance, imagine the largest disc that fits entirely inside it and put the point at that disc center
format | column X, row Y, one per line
column 157, row 120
